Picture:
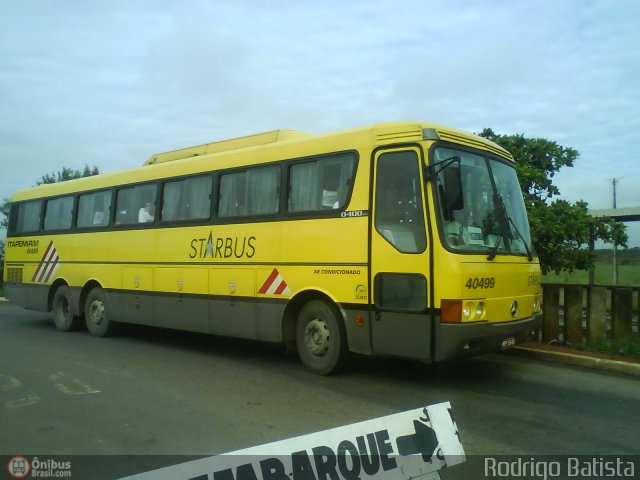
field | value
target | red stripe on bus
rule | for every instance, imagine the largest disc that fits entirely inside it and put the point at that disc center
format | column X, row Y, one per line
column 265, row 286
column 281, row 288
column 47, row 264
column 53, row 267
column 46, row 252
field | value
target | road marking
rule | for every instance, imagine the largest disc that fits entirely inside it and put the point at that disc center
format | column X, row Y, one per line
column 24, row 402
column 71, row 386
column 9, row 383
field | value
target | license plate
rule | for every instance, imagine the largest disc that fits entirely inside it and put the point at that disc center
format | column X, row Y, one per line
column 508, row 342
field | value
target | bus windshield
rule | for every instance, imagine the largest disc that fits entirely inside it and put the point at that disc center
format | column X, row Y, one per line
column 480, row 204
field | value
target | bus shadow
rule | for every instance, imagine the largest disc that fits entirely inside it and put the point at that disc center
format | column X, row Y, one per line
column 467, row 370
column 274, row 355
column 215, row 346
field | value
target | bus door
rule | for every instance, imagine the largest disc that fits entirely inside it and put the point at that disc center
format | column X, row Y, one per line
column 399, row 257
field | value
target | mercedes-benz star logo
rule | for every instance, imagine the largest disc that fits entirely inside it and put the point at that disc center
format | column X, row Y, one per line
column 514, row 308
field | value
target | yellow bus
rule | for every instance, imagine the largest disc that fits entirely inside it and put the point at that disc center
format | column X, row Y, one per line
column 400, row 239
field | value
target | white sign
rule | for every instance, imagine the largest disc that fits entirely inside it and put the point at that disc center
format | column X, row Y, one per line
column 407, row 445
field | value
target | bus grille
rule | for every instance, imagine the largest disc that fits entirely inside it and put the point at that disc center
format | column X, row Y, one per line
column 14, row 275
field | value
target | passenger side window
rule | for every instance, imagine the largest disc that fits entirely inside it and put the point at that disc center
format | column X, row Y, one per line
column 136, row 205
column 253, row 192
column 320, row 185
column 399, row 216
column 27, row 217
column 187, row 199
column 94, row 209
column 59, row 214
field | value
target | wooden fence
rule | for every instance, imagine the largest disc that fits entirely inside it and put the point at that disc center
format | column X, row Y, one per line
column 578, row 313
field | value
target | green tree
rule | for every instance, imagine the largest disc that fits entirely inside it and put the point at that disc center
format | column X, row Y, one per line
column 560, row 229
column 68, row 174
column 54, row 177
column 4, row 211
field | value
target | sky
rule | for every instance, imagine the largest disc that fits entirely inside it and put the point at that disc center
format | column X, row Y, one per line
column 108, row 83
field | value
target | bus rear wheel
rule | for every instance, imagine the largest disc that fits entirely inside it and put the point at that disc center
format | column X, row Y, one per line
column 96, row 314
column 320, row 338
column 63, row 316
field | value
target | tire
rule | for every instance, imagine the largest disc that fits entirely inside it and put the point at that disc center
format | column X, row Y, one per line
column 63, row 316
column 96, row 314
column 320, row 338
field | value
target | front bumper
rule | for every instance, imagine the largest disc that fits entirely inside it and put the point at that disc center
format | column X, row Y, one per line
column 464, row 340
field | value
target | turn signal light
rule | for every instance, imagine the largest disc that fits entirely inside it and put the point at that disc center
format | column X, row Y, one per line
column 451, row 311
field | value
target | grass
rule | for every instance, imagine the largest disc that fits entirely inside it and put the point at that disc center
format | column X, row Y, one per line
column 610, row 347
column 628, row 272
column 628, row 276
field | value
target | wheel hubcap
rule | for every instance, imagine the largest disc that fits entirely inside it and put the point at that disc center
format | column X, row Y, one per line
column 316, row 337
column 96, row 312
column 64, row 311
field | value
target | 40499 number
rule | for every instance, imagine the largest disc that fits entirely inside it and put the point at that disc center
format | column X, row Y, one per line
column 475, row 283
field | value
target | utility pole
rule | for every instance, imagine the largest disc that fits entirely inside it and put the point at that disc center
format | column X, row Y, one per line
column 614, row 182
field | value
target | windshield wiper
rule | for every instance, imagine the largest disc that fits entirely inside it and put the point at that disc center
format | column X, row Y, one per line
column 503, row 211
column 526, row 246
column 493, row 251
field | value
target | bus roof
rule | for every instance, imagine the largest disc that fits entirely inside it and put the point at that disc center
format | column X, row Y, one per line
column 226, row 145
column 265, row 147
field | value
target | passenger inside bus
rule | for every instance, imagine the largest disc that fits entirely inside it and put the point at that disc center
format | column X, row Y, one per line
column 456, row 229
column 145, row 214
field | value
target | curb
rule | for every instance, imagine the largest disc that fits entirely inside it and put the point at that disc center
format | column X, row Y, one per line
column 577, row 360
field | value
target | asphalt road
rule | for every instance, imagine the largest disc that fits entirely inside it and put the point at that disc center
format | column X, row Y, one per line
column 159, row 392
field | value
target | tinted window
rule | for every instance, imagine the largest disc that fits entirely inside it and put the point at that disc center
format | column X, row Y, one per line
column 187, row 199
column 93, row 210
column 59, row 214
column 136, row 205
column 322, row 184
column 250, row 193
column 403, row 292
column 27, row 217
column 399, row 214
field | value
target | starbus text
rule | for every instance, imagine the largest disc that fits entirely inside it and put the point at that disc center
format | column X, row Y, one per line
column 222, row 247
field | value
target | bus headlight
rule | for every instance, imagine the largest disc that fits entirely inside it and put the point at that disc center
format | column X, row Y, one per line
column 467, row 308
column 456, row 311
column 536, row 303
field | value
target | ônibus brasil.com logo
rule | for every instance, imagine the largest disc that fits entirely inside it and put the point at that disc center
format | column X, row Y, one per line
column 19, row 467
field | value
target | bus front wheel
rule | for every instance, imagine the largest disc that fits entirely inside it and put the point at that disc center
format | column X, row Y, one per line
column 96, row 314
column 63, row 316
column 320, row 338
